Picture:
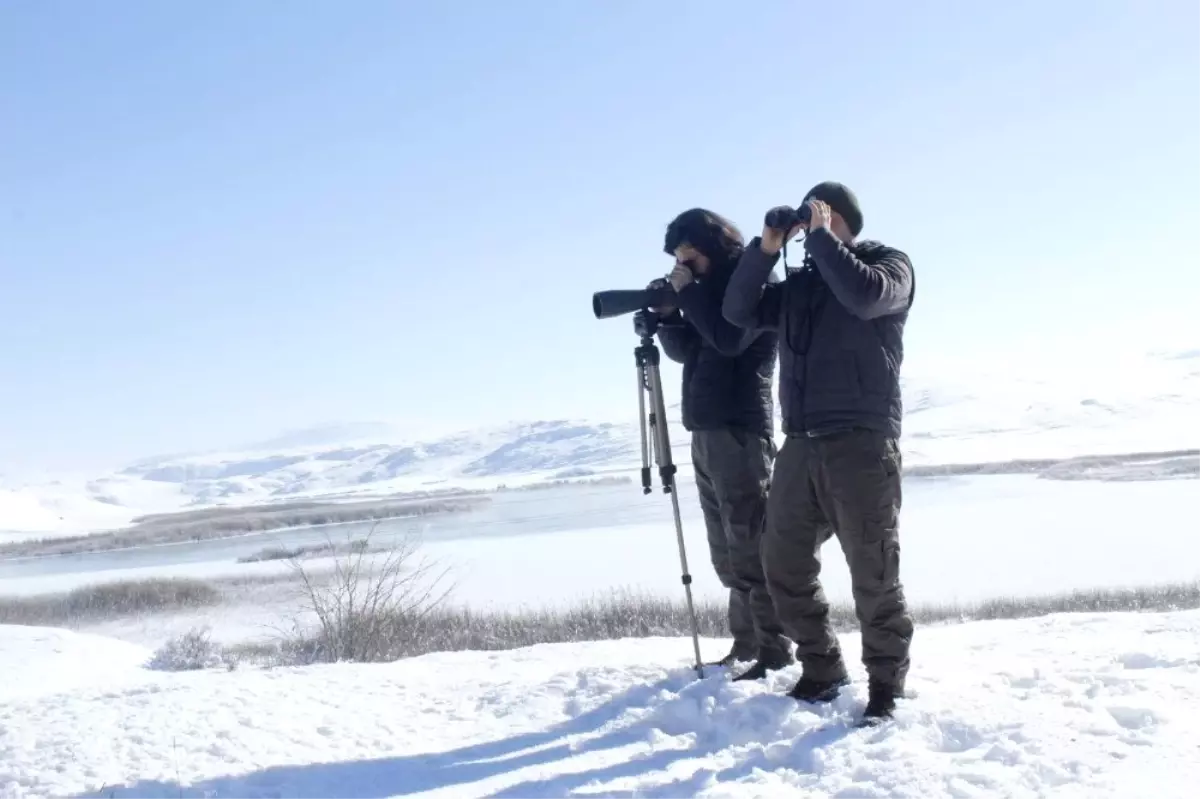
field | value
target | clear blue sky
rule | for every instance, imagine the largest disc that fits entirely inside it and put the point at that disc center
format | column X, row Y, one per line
column 223, row 219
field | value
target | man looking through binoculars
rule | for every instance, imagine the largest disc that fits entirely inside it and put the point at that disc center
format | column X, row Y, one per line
column 841, row 321
column 728, row 408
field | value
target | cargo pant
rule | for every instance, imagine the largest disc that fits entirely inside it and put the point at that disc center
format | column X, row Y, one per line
column 733, row 475
column 845, row 484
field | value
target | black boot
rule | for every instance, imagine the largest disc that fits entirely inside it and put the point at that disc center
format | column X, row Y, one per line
column 736, row 655
column 768, row 661
column 817, row 691
column 881, row 702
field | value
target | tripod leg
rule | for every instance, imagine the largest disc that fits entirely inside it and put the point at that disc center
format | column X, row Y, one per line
column 687, row 580
column 641, row 375
column 667, row 472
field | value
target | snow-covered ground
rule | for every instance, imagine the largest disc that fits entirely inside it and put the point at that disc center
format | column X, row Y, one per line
column 1086, row 706
column 1072, row 706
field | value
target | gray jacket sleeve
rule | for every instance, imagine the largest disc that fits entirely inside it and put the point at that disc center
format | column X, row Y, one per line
column 702, row 307
column 677, row 337
column 752, row 299
column 866, row 290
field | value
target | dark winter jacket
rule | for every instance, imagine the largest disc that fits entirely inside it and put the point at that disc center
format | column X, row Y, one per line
column 727, row 371
column 840, row 318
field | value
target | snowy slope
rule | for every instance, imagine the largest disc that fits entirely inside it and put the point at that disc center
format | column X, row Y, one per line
column 47, row 660
column 955, row 413
column 1087, row 706
column 513, row 454
column 1099, row 404
column 481, row 458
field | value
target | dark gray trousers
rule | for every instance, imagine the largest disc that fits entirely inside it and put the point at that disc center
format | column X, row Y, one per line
column 733, row 475
column 845, row 484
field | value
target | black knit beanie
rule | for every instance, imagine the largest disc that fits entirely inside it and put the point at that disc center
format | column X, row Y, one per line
column 839, row 197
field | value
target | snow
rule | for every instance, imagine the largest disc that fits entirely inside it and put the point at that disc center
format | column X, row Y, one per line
column 20, row 510
column 1080, row 530
column 1072, row 706
column 38, row 661
column 1040, row 537
column 956, row 412
column 65, row 507
column 1095, row 706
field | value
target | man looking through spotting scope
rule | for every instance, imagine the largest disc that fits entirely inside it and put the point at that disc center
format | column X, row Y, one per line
column 728, row 409
column 841, row 319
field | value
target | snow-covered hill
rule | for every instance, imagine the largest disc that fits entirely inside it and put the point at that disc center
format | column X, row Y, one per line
column 1091, row 705
column 317, row 463
column 955, row 413
column 481, row 458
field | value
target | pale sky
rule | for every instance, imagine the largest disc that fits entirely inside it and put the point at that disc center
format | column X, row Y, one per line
column 220, row 220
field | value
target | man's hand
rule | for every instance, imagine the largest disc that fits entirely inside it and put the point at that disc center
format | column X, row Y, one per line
column 680, row 276
column 655, row 285
column 822, row 215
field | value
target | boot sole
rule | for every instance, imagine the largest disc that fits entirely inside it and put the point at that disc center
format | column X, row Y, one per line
column 823, row 698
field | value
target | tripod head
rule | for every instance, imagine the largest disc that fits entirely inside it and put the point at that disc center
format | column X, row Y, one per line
column 645, row 324
column 647, row 354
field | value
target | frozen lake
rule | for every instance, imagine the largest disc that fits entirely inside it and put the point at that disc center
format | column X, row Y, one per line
column 963, row 539
column 565, row 510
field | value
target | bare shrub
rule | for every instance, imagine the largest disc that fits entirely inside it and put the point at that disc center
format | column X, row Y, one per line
column 441, row 628
column 620, row 615
column 284, row 553
column 1175, row 596
column 224, row 522
column 368, row 608
column 109, row 601
column 273, row 553
column 192, row 651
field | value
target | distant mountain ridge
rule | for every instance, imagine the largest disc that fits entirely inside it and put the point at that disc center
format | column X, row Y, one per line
column 526, row 449
column 954, row 416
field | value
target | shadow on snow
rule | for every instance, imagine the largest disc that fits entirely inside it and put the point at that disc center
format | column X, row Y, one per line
column 410, row 774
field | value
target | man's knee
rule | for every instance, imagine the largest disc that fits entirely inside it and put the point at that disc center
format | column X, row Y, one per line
column 722, row 560
column 786, row 564
column 725, row 576
column 875, row 580
column 744, row 514
column 742, row 496
column 874, row 563
column 771, row 556
column 746, row 558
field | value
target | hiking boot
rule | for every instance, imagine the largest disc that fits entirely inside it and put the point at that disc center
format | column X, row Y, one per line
column 817, row 691
column 881, row 701
column 767, row 662
column 736, row 655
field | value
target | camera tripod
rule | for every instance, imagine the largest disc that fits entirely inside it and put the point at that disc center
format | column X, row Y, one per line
column 656, row 441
